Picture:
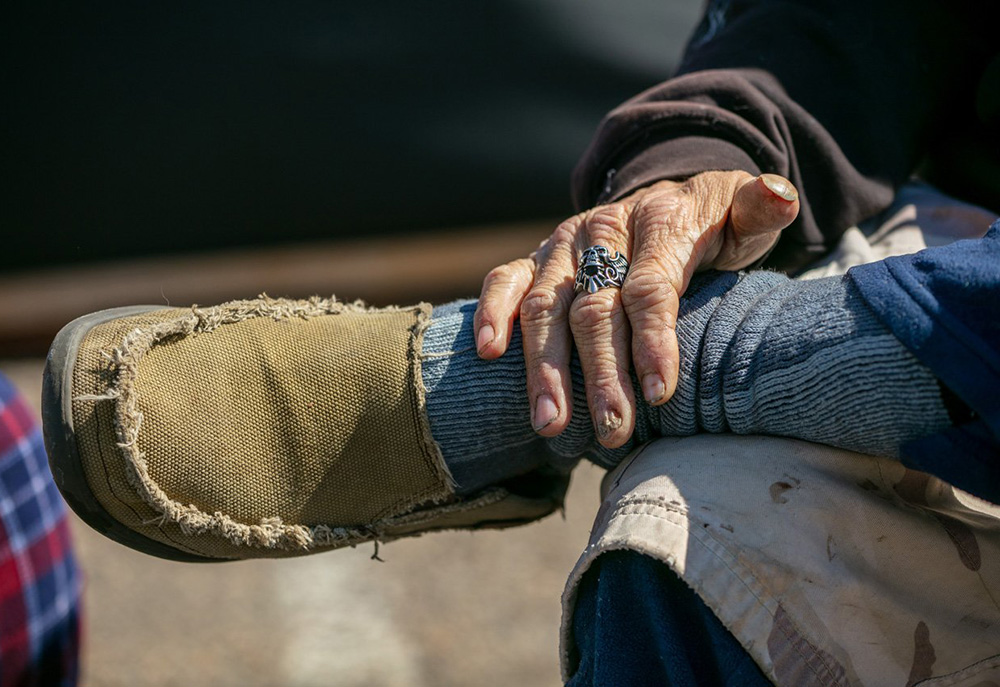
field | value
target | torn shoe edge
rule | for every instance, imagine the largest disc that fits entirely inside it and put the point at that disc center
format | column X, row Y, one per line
column 269, row 533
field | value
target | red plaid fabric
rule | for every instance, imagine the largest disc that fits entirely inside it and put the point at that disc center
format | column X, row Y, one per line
column 39, row 578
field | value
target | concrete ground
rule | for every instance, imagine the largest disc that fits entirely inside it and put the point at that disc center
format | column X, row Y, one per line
column 443, row 610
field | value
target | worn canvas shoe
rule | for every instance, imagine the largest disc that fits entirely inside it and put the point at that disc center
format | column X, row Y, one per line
column 259, row 428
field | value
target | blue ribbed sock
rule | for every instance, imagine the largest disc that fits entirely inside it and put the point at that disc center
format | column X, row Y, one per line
column 760, row 354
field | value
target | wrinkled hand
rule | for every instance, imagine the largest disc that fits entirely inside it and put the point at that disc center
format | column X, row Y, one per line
column 721, row 220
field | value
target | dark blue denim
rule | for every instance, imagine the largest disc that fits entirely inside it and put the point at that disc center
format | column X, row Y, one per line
column 636, row 623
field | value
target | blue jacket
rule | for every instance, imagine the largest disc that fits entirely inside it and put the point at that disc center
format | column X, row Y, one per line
column 944, row 305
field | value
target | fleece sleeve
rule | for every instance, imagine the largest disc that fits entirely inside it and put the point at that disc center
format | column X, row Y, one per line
column 840, row 96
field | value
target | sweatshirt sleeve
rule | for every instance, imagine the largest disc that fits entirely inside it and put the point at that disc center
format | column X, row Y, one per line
column 943, row 304
column 840, row 96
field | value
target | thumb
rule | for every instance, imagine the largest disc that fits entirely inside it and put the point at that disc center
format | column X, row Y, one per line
column 762, row 207
column 764, row 204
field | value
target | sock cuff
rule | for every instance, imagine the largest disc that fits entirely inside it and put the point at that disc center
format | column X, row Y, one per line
column 465, row 393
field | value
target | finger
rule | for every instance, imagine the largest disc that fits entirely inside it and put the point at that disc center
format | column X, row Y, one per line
column 661, row 268
column 545, row 333
column 499, row 304
column 602, row 335
column 762, row 207
column 650, row 298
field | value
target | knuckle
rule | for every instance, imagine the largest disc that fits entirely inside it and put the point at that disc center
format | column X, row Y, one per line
column 541, row 254
column 524, row 265
column 565, row 232
column 562, row 236
column 540, row 305
column 647, row 290
column 608, row 222
column 712, row 193
column 590, row 312
column 663, row 212
column 500, row 274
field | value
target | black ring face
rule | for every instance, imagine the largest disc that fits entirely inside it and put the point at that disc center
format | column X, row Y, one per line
column 599, row 269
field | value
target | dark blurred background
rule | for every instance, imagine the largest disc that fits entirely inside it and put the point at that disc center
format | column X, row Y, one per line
column 138, row 128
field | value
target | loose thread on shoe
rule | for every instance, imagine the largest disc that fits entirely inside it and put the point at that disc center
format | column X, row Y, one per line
column 374, row 535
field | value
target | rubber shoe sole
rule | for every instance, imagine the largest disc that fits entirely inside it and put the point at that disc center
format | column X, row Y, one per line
column 61, row 444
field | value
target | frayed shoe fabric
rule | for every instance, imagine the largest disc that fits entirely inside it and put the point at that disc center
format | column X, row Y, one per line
column 257, row 428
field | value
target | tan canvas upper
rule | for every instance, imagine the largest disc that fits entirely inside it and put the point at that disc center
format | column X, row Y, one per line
column 282, row 425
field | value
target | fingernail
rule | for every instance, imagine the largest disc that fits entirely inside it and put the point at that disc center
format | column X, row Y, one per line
column 653, row 388
column 546, row 412
column 779, row 187
column 485, row 337
column 607, row 422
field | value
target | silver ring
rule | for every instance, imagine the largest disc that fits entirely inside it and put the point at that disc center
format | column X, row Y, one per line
column 599, row 269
